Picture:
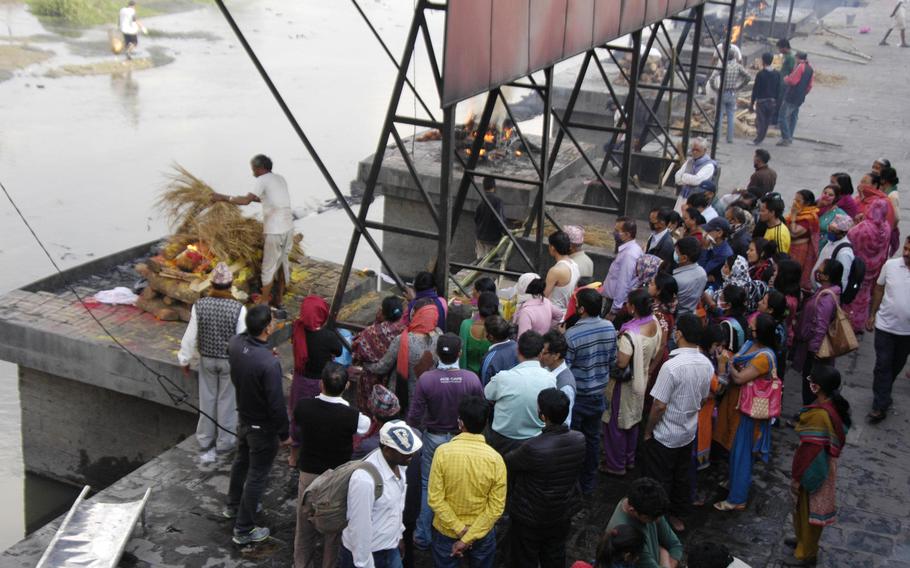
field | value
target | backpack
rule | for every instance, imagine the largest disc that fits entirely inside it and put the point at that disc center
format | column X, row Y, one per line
column 856, row 275
column 735, row 343
column 325, row 501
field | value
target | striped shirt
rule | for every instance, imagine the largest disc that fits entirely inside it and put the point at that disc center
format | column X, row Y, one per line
column 592, row 351
column 683, row 382
column 467, row 487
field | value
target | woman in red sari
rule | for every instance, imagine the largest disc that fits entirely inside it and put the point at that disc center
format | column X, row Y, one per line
column 822, row 431
column 371, row 345
column 804, row 233
column 868, row 239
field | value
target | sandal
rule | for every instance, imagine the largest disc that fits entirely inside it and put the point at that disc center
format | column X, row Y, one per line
column 876, row 416
column 728, row 506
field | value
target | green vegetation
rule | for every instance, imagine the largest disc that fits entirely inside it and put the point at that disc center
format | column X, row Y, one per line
column 83, row 12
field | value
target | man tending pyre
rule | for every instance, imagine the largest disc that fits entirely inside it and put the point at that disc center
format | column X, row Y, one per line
column 271, row 190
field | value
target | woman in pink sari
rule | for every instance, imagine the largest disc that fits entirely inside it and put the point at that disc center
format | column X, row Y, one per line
column 867, row 238
column 869, row 192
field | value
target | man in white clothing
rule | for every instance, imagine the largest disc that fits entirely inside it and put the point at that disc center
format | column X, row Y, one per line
column 375, row 525
column 838, row 246
column 129, row 27
column 562, row 276
column 699, row 167
column 576, row 243
column 271, row 190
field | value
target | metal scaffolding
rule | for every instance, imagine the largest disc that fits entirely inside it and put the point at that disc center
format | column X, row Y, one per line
column 683, row 75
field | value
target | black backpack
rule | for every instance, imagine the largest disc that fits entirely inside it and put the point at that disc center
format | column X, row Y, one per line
column 855, row 276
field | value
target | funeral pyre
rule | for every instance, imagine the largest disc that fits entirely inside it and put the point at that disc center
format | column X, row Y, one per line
column 205, row 234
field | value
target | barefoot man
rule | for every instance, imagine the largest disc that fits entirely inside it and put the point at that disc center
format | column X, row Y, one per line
column 271, row 190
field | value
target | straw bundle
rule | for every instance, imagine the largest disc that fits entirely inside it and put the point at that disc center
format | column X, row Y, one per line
column 221, row 226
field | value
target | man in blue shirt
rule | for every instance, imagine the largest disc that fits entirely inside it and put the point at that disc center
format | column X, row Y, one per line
column 503, row 353
column 591, row 353
column 514, row 391
column 716, row 250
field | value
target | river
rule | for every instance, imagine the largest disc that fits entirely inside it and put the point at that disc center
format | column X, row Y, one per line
column 85, row 156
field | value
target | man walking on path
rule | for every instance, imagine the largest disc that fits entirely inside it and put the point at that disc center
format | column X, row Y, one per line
column 434, row 408
column 682, row 386
column 890, row 318
column 271, row 190
column 899, row 15
column 798, row 84
column 514, row 393
column 621, row 274
column 545, row 471
column 256, row 374
column 326, row 427
column 765, row 92
column 130, row 27
column 467, row 492
column 375, row 525
column 214, row 320
column 591, row 353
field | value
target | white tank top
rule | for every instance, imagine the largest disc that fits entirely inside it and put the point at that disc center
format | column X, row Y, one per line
column 561, row 294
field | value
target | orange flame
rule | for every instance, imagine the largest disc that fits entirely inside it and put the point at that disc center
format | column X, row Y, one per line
column 192, row 247
column 489, row 137
column 735, row 34
column 749, row 21
column 518, row 153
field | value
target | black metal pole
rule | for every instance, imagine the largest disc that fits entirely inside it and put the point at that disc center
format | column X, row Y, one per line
column 773, row 17
column 445, row 202
column 718, row 110
column 625, row 169
column 544, row 164
column 789, row 19
column 358, row 226
column 693, row 70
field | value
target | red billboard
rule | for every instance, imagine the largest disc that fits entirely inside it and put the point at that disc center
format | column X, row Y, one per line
column 490, row 43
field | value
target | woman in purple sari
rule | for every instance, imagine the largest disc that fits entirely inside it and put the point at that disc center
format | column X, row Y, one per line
column 869, row 239
column 639, row 345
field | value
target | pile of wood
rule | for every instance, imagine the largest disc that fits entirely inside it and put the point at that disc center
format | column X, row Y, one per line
column 206, row 233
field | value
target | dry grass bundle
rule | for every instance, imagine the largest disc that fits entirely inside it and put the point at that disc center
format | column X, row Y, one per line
column 222, row 227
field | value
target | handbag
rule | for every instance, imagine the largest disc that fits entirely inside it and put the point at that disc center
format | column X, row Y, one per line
column 761, row 398
column 624, row 375
column 840, row 339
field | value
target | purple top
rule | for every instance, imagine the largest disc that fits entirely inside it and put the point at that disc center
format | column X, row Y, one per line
column 812, row 326
column 434, row 404
column 621, row 274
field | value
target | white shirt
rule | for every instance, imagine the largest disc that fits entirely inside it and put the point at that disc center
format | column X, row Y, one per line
column 844, row 256
column 272, row 191
column 683, row 382
column 561, row 294
column 374, row 524
column 684, row 175
column 894, row 313
column 189, row 346
column 363, row 421
column 128, row 23
column 584, row 262
column 570, row 392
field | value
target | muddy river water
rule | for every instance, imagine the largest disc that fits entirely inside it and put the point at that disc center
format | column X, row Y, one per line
column 85, row 155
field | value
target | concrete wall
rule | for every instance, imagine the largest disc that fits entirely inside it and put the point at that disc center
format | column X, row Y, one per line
column 89, row 435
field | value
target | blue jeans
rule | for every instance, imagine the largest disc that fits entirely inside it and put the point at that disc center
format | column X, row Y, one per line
column 390, row 558
column 789, row 113
column 482, row 553
column 586, row 415
column 422, row 534
column 728, row 100
column 256, row 450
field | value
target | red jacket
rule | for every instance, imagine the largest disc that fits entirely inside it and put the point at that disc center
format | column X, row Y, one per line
column 794, row 77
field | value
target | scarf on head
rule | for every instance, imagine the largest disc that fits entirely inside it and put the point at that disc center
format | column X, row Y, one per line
column 314, row 312
column 646, row 268
column 424, row 321
column 870, row 196
column 521, row 288
column 871, row 236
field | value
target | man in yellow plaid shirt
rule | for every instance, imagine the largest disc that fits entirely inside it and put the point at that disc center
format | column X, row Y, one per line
column 467, row 492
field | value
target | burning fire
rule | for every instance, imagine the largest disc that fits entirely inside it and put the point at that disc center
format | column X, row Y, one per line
column 192, row 247
column 734, row 37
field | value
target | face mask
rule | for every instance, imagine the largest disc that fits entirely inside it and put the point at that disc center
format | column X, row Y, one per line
column 675, row 257
column 832, row 237
column 710, row 240
column 616, row 237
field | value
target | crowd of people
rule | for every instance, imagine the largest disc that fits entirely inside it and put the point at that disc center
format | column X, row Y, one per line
column 508, row 418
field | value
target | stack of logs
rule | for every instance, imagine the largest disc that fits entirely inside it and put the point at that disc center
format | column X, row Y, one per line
column 171, row 292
